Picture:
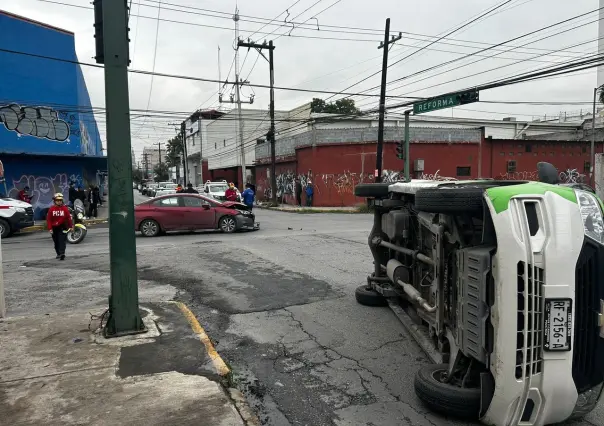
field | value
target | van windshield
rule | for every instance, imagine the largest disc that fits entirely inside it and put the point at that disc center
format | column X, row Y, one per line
column 219, row 188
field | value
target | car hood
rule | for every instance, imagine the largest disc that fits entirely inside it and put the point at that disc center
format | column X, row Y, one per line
column 235, row 205
column 13, row 203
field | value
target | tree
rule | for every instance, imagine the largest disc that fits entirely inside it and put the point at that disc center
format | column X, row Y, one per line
column 174, row 153
column 161, row 172
column 341, row 106
column 137, row 175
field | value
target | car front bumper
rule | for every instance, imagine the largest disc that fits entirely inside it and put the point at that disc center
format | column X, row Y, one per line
column 247, row 222
column 535, row 386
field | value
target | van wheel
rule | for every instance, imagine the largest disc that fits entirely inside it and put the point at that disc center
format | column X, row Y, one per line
column 446, row 398
column 4, row 229
column 367, row 296
column 450, row 199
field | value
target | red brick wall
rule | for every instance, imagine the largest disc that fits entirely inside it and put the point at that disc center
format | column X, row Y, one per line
column 231, row 174
column 286, row 173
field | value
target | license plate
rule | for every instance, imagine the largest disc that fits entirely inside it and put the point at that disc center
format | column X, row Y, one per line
column 558, row 324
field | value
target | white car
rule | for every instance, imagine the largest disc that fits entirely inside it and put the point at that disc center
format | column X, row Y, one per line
column 216, row 190
column 14, row 215
column 164, row 191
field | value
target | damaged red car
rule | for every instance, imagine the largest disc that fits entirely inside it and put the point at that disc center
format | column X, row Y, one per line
column 190, row 212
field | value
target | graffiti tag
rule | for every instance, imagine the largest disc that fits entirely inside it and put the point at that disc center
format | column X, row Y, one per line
column 39, row 122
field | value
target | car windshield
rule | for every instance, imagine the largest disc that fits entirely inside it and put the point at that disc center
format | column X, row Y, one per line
column 171, row 186
column 218, row 188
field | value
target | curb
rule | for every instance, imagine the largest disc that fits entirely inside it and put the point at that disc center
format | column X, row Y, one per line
column 221, row 368
column 243, row 408
column 39, row 228
column 311, row 210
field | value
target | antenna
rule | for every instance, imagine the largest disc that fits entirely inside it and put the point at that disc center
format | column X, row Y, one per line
column 219, row 72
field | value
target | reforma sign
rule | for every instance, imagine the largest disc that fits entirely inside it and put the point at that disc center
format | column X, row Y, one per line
column 445, row 101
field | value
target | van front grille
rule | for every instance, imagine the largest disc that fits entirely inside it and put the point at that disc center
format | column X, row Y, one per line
column 529, row 325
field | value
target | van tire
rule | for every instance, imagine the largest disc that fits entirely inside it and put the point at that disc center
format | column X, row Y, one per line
column 450, row 200
column 372, row 190
column 5, row 230
column 445, row 398
column 369, row 297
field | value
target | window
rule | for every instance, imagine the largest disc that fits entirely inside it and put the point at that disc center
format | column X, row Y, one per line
column 464, row 171
column 511, row 154
column 520, row 154
column 193, row 202
column 511, row 166
column 166, row 202
column 528, row 148
column 551, row 153
column 502, row 153
column 586, row 167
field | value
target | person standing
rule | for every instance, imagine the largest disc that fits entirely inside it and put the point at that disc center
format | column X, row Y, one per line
column 72, row 195
column 231, row 194
column 248, row 196
column 298, row 192
column 190, row 189
column 24, row 195
column 309, row 194
column 94, row 199
column 59, row 224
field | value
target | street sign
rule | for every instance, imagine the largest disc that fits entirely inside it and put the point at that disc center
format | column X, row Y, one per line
column 445, row 101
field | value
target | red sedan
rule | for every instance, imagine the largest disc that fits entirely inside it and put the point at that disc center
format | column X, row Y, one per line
column 176, row 212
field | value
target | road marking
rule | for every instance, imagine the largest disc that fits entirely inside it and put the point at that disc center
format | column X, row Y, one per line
column 219, row 364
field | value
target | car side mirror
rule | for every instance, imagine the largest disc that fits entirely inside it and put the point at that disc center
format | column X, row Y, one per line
column 205, row 206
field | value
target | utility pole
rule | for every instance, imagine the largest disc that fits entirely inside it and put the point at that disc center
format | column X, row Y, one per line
column 592, row 151
column 146, row 163
column 380, row 143
column 183, row 130
column 159, row 151
column 111, row 25
column 271, row 133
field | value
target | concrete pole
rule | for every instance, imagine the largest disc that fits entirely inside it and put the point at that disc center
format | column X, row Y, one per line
column 592, row 152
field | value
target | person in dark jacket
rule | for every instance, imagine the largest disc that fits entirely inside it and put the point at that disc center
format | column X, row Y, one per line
column 298, row 192
column 73, row 194
column 59, row 223
column 309, row 194
column 190, row 189
column 94, row 199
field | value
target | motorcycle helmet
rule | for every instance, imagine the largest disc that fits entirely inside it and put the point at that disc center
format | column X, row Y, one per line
column 58, row 196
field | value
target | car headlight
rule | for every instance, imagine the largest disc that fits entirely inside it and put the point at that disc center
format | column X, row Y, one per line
column 80, row 216
column 587, row 401
column 20, row 209
column 593, row 223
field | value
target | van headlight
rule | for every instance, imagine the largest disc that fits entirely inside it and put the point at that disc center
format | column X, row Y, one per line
column 591, row 213
column 20, row 209
column 587, row 401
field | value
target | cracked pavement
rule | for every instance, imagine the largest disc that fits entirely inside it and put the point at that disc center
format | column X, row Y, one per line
column 278, row 304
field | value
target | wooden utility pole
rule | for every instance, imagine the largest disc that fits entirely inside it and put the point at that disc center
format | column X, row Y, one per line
column 380, row 144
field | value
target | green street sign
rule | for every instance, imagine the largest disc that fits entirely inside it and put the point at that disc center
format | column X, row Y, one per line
column 445, row 101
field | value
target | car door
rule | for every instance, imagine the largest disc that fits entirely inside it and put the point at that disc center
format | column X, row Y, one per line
column 169, row 213
column 199, row 212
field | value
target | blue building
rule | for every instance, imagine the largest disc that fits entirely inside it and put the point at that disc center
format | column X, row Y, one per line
column 48, row 134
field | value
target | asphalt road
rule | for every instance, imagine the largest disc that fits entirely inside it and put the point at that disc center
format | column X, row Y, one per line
column 278, row 303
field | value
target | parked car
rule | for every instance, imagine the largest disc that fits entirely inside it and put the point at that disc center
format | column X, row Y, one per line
column 502, row 284
column 164, row 191
column 191, row 212
column 216, row 190
column 151, row 189
column 14, row 216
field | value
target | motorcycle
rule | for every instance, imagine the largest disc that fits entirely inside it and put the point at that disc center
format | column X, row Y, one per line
column 79, row 231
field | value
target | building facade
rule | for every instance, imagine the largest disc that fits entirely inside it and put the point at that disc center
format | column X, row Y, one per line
column 48, row 133
column 334, row 160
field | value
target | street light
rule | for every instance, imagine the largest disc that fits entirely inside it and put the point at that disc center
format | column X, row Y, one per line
column 592, row 155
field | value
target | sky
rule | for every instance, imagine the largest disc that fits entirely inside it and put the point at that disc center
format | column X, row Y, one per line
column 331, row 45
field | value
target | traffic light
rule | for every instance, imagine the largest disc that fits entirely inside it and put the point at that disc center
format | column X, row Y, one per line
column 400, row 150
column 468, row 97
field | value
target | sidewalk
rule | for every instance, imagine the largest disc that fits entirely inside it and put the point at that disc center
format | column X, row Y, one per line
column 54, row 371
column 296, row 209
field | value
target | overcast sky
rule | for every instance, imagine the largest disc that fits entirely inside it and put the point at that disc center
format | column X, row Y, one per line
column 307, row 59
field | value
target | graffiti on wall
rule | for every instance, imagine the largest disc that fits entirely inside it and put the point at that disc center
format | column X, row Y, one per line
column 392, row 176
column 436, row 176
column 42, row 188
column 567, row 176
column 39, row 122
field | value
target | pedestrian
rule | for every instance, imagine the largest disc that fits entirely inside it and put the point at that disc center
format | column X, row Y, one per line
column 298, row 192
column 59, row 224
column 248, row 196
column 24, row 195
column 190, row 189
column 179, row 189
column 309, row 194
column 72, row 195
column 94, row 199
column 231, row 193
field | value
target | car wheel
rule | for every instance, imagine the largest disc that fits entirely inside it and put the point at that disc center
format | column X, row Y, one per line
column 446, row 398
column 227, row 224
column 369, row 297
column 4, row 228
column 149, row 228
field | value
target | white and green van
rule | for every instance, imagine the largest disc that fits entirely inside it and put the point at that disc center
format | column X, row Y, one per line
column 502, row 284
